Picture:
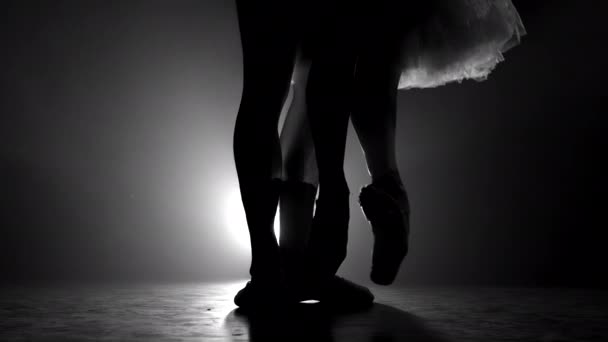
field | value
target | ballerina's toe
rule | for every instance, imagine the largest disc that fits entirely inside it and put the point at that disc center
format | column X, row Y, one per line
column 390, row 226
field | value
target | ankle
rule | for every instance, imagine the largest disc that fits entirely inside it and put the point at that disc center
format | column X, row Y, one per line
column 390, row 178
column 392, row 184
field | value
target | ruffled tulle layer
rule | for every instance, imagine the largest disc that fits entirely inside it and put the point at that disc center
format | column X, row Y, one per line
column 462, row 39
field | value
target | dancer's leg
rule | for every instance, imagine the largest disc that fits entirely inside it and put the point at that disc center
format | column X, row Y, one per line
column 300, row 178
column 384, row 202
column 375, row 107
column 377, row 78
column 328, row 92
column 376, row 81
column 328, row 97
column 299, row 161
column 268, row 54
column 300, row 173
column 297, row 203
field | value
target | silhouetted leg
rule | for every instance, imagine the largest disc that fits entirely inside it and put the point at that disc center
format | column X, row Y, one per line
column 300, row 177
column 384, row 202
column 328, row 93
column 329, row 232
column 297, row 145
column 375, row 107
column 299, row 165
column 268, row 55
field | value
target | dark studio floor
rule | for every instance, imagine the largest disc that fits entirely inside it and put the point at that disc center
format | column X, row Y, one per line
column 205, row 312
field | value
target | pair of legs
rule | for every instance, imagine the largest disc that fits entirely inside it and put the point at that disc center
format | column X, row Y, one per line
column 269, row 48
column 270, row 38
column 357, row 78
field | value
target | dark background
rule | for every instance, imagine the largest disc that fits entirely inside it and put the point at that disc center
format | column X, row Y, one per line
column 116, row 125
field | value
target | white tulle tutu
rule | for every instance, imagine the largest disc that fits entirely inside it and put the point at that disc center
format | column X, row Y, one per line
column 462, row 39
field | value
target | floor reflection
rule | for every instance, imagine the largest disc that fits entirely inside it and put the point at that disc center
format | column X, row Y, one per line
column 311, row 322
column 206, row 312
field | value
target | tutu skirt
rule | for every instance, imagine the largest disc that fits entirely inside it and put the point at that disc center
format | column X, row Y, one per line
column 460, row 39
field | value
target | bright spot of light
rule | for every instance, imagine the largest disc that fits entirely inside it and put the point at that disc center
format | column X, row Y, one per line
column 236, row 221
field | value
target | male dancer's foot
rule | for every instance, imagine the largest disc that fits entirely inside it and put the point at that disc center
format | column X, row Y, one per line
column 304, row 279
column 259, row 296
column 386, row 207
column 265, row 290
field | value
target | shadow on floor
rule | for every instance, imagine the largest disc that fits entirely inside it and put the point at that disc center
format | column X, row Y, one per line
column 311, row 322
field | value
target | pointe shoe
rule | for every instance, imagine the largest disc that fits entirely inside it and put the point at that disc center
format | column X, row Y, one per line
column 390, row 225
